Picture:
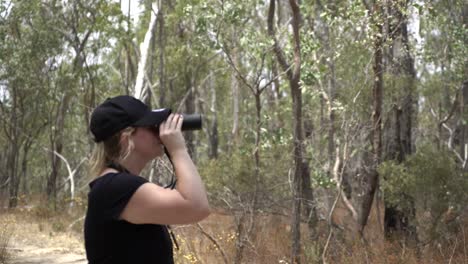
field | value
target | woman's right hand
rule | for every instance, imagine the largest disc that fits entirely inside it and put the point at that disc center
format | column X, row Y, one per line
column 170, row 134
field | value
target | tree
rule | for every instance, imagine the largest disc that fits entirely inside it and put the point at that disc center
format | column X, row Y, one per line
column 371, row 181
column 293, row 73
column 398, row 132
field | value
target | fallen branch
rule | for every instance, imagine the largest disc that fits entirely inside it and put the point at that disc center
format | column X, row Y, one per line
column 214, row 242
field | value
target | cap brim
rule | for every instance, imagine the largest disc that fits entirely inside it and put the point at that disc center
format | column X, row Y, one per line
column 154, row 117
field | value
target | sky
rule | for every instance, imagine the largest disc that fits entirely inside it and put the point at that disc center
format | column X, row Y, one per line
column 135, row 8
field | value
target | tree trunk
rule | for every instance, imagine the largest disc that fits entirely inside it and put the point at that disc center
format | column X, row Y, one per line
column 214, row 140
column 294, row 75
column 13, row 152
column 399, row 143
column 309, row 203
column 371, row 180
column 190, row 109
column 140, row 92
column 258, row 127
column 278, row 123
column 235, row 99
column 463, row 127
column 162, row 46
column 56, row 140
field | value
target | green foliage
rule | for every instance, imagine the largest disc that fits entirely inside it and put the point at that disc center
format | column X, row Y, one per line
column 428, row 181
column 320, row 178
column 233, row 174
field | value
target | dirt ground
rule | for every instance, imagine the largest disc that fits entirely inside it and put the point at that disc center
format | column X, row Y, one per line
column 40, row 242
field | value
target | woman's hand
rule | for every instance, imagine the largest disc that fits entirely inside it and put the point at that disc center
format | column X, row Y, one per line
column 187, row 203
column 170, row 134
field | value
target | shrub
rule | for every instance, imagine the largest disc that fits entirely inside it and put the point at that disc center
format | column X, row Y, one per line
column 426, row 186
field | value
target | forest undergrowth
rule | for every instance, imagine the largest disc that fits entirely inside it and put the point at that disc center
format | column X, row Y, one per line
column 215, row 240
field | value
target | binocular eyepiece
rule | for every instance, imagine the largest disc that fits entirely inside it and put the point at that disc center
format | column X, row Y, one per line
column 191, row 122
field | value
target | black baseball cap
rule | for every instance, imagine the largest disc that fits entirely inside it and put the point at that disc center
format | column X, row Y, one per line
column 123, row 111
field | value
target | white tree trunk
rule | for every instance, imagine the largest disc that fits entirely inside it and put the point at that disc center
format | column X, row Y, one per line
column 140, row 89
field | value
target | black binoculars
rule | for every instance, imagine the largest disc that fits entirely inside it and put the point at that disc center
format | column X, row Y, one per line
column 191, row 122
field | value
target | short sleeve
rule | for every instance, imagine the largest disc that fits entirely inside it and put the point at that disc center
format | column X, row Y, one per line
column 112, row 193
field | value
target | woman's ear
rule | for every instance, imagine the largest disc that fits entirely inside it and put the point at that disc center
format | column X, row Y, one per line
column 124, row 138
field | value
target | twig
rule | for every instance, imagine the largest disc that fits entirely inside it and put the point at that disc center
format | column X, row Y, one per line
column 464, row 242
column 214, row 242
column 76, row 221
column 5, row 183
column 453, row 252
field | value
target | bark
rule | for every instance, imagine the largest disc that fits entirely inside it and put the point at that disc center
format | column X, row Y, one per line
column 162, row 46
column 214, row 139
column 129, row 69
column 309, row 203
column 13, row 153
column 235, row 99
column 258, row 126
column 276, row 95
column 190, row 109
column 24, row 164
column 150, row 73
column 462, row 126
column 371, row 179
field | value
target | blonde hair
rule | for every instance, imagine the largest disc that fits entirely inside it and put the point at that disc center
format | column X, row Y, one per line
column 110, row 151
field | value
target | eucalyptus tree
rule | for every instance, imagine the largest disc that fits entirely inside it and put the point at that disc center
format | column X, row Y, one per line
column 51, row 51
column 248, row 58
column 84, row 26
column 443, row 68
column 29, row 50
column 293, row 73
column 398, row 139
column 440, row 90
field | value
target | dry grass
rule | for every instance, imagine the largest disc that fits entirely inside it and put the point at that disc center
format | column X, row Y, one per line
column 6, row 231
column 215, row 241
column 452, row 251
column 271, row 244
column 33, row 225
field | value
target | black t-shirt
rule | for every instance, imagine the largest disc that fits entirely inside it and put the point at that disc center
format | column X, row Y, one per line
column 110, row 240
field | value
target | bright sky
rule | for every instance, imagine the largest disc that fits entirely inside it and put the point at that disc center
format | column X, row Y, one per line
column 135, row 8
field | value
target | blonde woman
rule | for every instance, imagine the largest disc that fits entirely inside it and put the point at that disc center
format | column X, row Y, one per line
column 127, row 215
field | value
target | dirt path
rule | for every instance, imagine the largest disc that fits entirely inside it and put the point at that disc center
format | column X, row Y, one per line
column 37, row 242
column 36, row 255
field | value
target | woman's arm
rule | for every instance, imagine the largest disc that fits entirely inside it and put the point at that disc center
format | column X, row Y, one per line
column 188, row 203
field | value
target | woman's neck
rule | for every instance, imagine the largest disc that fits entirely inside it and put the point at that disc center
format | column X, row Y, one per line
column 134, row 164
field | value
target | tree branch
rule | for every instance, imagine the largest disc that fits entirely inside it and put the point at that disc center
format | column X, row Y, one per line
column 214, row 242
column 276, row 48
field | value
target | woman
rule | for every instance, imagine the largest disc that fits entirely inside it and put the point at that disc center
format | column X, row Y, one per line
column 126, row 215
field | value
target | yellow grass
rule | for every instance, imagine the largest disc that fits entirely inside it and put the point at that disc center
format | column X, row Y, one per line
column 215, row 240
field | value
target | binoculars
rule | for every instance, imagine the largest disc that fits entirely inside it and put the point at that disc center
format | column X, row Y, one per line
column 191, row 122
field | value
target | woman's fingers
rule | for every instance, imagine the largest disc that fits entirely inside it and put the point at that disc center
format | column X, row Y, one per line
column 179, row 122
column 171, row 135
column 173, row 122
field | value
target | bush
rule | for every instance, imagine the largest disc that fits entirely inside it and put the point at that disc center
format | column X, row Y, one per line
column 425, row 187
column 233, row 174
